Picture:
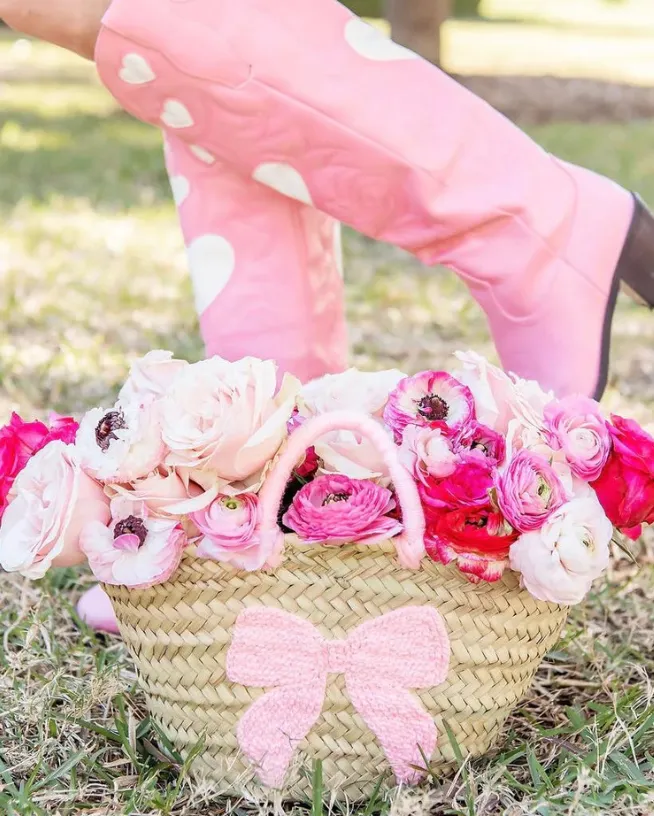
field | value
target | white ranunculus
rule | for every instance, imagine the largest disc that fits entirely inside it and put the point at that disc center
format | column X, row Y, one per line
column 122, row 444
column 559, row 562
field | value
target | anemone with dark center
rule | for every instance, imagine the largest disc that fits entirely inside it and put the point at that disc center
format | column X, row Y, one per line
column 132, row 525
column 104, row 433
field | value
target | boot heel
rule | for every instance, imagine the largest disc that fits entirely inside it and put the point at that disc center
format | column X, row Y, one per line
column 636, row 266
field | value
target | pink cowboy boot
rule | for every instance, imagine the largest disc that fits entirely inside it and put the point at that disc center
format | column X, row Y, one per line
column 267, row 278
column 305, row 98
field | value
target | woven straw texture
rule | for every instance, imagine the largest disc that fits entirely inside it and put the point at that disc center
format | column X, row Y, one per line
column 179, row 634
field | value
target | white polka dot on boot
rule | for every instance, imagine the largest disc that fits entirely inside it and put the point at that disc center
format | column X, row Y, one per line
column 371, row 43
column 285, row 179
column 211, row 260
column 136, row 70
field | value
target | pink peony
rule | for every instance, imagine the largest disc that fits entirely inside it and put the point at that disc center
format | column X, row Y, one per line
column 151, row 376
column 479, row 441
column 478, row 539
column 529, row 491
column 50, row 501
column 428, row 453
column 122, row 444
column 229, row 527
column 559, row 562
column 335, row 509
column 625, row 487
column 468, row 487
column 428, row 398
column 135, row 550
column 576, row 426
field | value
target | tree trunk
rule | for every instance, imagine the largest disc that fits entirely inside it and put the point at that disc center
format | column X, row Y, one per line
column 417, row 25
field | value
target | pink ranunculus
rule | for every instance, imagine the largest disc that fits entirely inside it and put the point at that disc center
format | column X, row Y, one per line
column 428, row 398
column 50, row 501
column 576, row 426
column 229, row 527
column 62, row 428
column 529, row 491
column 151, row 376
column 161, row 491
column 625, row 487
column 226, row 421
column 334, row 509
column 134, row 550
column 469, row 486
column 477, row 440
column 478, row 539
column 427, row 453
column 559, row 562
column 122, row 444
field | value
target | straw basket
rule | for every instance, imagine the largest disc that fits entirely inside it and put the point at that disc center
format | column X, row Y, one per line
column 180, row 633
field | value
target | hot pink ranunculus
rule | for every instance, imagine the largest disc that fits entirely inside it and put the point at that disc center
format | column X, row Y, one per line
column 625, row 486
column 334, row 509
column 477, row 538
column 467, row 487
column 229, row 527
column 559, row 562
column 50, row 501
column 576, row 426
column 427, row 398
column 134, row 550
column 477, row 440
column 20, row 440
column 529, row 491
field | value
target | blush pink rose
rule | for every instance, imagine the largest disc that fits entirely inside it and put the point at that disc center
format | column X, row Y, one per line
column 134, row 550
column 161, row 492
column 50, row 501
column 151, row 376
column 529, row 491
column 576, row 426
column 229, row 530
column 428, row 453
column 625, row 487
column 427, row 398
column 334, row 509
column 468, row 486
column 559, row 562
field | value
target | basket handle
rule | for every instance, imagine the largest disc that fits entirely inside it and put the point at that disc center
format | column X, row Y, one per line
column 410, row 545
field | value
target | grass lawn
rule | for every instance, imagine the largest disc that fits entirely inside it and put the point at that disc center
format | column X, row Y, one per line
column 92, row 274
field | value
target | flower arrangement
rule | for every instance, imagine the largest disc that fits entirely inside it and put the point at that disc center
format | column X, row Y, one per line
column 508, row 476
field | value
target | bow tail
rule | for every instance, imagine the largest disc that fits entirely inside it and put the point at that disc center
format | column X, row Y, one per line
column 274, row 725
column 405, row 731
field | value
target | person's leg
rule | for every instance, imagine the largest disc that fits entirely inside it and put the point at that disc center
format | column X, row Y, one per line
column 304, row 97
column 267, row 279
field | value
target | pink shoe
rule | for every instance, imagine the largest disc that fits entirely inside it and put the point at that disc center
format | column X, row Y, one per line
column 307, row 99
column 95, row 609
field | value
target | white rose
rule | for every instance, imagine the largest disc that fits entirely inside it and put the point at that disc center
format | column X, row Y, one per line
column 151, row 376
column 122, row 444
column 225, row 420
column 50, row 501
column 348, row 452
column 559, row 562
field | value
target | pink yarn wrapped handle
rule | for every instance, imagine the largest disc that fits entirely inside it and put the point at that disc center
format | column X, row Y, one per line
column 410, row 545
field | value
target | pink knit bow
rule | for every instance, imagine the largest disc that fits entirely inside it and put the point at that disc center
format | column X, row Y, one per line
column 381, row 660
